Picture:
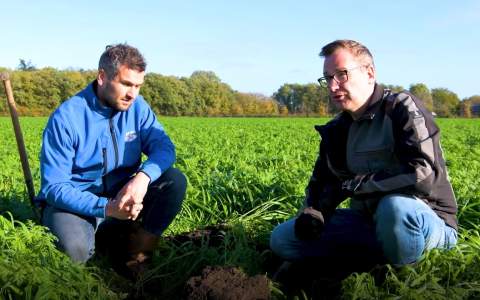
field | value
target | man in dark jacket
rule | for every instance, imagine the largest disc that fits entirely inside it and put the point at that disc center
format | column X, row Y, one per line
column 383, row 152
column 91, row 165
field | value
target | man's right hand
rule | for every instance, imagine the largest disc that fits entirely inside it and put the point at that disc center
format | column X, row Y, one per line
column 116, row 209
column 127, row 204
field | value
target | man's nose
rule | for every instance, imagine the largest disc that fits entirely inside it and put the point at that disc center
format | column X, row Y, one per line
column 132, row 92
column 332, row 85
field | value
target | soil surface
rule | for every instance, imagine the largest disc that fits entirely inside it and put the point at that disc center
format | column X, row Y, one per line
column 213, row 282
column 226, row 283
column 212, row 235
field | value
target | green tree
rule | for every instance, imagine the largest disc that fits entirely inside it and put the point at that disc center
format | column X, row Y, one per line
column 70, row 83
column 393, row 88
column 445, row 102
column 314, row 99
column 422, row 92
column 285, row 95
column 47, row 88
column 23, row 89
column 167, row 95
column 303, row 99
column 38, row 92
column 211, row 96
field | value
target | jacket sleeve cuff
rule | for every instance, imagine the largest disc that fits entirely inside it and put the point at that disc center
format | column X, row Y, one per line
column 151, row 170
column 100, row 210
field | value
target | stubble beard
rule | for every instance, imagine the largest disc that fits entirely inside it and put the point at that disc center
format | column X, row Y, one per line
column 115, row 103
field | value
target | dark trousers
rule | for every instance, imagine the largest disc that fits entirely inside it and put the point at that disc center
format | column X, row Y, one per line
column 76, row 233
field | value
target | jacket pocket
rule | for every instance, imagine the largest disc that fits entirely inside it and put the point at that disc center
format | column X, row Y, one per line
column 374, row 160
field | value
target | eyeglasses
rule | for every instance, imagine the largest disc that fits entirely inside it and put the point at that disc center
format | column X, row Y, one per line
column 339, row 76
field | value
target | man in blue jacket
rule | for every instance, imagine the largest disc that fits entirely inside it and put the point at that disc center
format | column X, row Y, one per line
column 91, row 167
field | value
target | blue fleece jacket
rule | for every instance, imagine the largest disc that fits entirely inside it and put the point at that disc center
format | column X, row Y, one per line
column 89, row 148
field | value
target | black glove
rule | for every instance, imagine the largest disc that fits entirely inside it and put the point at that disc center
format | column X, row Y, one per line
column 308, row 227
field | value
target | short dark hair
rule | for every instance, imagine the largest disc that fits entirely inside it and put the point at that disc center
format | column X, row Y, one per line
column 118, row 55
column 358, row 50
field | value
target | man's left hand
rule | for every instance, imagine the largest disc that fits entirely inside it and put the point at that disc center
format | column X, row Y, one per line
column 309, row 224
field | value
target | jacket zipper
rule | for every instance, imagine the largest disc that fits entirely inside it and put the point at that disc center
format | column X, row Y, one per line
column 114, row 140
column 105, row 170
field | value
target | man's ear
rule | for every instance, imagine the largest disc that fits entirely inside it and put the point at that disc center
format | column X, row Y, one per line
column 371, row 74
column 101, row 77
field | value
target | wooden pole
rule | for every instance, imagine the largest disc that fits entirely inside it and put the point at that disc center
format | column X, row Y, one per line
column 20, row 142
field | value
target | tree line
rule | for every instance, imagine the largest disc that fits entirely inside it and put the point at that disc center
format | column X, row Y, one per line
column 39, row 91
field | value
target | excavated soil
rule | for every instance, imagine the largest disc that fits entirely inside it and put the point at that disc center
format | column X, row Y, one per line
column 213, row 283
column 213, row 236
column 226, row 283
column 220, row 282
column 317, row 279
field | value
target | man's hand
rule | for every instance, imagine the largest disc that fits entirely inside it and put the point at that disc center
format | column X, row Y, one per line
column 309, row 224
column 127, row 204
column 115, row 210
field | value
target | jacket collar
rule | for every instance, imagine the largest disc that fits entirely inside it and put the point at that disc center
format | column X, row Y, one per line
column 344, row 119
column 94, row 102
column 374, row 103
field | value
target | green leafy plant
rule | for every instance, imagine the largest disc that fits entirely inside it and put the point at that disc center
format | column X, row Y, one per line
column 248, row 175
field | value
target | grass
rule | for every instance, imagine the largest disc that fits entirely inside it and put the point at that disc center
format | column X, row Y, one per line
column 249, row 174
column 31, row 267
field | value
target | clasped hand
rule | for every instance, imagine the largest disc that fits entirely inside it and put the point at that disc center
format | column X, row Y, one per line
column 309, row 224
column 128, row 203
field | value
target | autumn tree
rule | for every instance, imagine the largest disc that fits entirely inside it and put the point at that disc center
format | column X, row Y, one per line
column 470, row 107
column 40, row 91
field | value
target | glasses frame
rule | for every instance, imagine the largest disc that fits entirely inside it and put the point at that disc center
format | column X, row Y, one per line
column 327, row 79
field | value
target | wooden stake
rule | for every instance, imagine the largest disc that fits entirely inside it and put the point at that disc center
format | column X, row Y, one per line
column 20, row 143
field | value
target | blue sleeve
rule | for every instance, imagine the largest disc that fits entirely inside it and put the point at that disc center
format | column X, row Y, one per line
column 56, row 161
column 156, row 145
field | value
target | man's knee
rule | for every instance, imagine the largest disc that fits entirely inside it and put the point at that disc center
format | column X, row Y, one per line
column 174, row 180
column 75, row 234
column 275, row 241
column 398, row 229
column 283, row 241
column 76, row 249
column 394, row 210
column 178, row 178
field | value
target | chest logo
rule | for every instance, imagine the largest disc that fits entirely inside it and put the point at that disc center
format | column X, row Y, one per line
column 130, row 136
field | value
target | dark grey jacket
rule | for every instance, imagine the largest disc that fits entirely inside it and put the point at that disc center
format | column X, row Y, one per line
column 393, row 148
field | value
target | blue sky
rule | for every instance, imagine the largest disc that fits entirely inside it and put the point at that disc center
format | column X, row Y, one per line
column 254, row 46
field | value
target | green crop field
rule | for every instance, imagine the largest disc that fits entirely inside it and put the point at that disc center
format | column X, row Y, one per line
column 248, row 174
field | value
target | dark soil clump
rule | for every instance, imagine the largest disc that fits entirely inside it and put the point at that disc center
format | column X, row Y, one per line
column 226, row 283
column 213, row 236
